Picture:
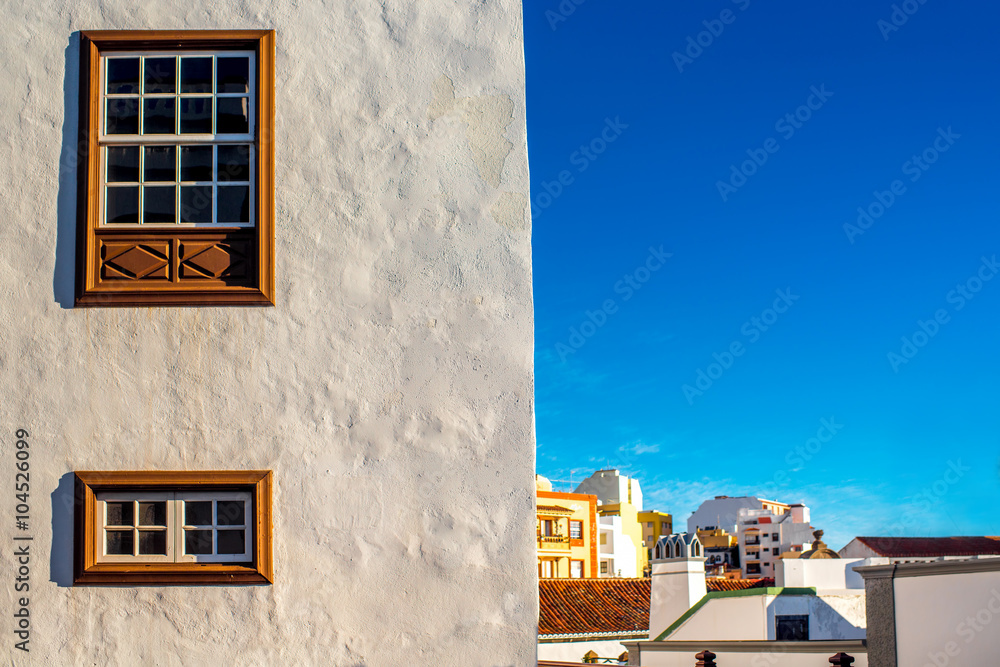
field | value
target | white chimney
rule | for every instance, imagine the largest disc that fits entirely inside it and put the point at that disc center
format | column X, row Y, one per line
column 678, row 571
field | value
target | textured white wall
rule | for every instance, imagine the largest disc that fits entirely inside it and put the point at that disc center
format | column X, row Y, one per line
column 390, row 390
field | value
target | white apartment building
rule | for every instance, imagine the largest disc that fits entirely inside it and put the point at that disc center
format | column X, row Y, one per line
column 611, row 488
column 764, row 535
column 615, row 550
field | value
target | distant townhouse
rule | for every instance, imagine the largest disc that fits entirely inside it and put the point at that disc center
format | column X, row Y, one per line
column 765, row 535
column 722, row 512
column 566, row 533
column 919, row 549
column 654, row 526
column 722, row 553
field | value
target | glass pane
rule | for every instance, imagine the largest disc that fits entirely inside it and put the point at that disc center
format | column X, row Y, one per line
column 234, row 204
column 123, row 75
column 153, row 513
column 160, row 75
column 197, row 541
column 232, row 541
column 196, row 75
column 160, row 164
column 122, row 205
column 196, row 115
column 234, row 75
column 198, row 513
column 233, row 117
column 158, row 115
column 234, row 163
column 230, row 513
column 196, row 203
column 122, row 116
column 119, row 513
column 123, row 164
column 152, row 542
column 196, row 163
column 119, row 542
column 158, row 203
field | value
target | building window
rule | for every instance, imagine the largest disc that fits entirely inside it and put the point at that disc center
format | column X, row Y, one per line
column 576, row 530
column 791, row 628
column 753, row 568
column 576, row 569
column 200, row 527
column 774, row 551
column 176, row 182
column 182, row 527
column 774, row 536
column 604, row 567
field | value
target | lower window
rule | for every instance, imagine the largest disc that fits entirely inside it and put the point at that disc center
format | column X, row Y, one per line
column 791, row 628
column 173, row 527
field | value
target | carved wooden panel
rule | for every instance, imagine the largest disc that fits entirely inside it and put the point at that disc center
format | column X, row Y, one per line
column 213, row 260
column 134, row 261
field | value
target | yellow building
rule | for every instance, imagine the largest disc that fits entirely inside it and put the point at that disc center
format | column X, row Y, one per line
column 654, row 526
column 566, row 533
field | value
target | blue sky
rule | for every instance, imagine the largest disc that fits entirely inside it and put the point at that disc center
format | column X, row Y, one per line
column 745, row 154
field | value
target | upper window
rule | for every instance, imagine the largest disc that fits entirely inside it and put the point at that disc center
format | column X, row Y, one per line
column 176, row 189
column 576, row 530
column 173, row 527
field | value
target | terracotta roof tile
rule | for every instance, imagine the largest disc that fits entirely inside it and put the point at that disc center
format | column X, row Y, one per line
column 585, row 606
column 931, row 547
column 590, row 606
column 716, row 585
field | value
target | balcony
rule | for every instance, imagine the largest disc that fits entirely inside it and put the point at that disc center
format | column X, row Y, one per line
column 752, row 540
column 553, row 543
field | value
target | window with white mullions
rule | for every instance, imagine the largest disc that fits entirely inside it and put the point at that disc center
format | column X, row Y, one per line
column 216, row 527
column 136, row 527
column 203, row 527
column 177, row 139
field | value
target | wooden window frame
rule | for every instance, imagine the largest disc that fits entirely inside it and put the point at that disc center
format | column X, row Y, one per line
column 87, row 569
column 172, row 282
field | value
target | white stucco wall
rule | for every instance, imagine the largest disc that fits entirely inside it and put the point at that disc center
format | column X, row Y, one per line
column 390, row 389
column 831, row 617
column 948, row 619
column 821, row 573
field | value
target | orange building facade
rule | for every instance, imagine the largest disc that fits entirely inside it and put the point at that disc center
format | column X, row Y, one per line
column 567, row 535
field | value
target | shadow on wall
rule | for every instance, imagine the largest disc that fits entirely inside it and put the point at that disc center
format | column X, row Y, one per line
column 74, row 150
column 825, row 623
column 61, row 555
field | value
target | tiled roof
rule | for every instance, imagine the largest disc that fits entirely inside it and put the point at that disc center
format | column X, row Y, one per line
column 596, row 606
column 716, row 585
column 591, row 606
column 930, row 547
